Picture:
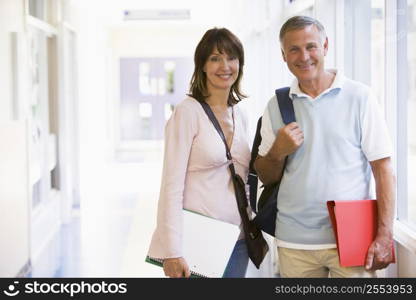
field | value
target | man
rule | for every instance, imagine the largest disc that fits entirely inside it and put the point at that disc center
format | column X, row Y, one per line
column 340, row 137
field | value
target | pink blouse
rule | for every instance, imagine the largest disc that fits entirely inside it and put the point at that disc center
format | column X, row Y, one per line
column 196, row 175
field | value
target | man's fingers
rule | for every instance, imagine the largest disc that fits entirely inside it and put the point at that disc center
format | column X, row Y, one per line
column 299, row 134
column 298, row 137
column 289, row 139
column 370, row 258
column 382, row 257
column 295, row 131
column 292, row 126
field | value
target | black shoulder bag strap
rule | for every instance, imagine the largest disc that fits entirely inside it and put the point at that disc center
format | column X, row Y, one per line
column 256, row 244
column 252, row 180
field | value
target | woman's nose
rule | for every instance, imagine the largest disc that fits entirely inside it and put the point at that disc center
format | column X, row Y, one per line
column 224, row 63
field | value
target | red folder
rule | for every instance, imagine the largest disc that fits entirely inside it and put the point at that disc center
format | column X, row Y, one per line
column 355, row 227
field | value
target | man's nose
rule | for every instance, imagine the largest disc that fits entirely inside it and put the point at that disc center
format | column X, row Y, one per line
column 304, row 55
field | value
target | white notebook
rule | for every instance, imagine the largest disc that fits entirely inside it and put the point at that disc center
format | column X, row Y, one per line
column 207, row 244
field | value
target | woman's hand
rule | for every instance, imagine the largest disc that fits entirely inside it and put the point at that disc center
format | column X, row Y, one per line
column 176, row 267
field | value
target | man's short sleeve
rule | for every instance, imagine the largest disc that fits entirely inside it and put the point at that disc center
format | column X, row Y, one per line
column 375, row 140
column 267, row 134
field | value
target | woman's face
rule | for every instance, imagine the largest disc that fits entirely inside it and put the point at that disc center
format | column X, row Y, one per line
column 221, row 70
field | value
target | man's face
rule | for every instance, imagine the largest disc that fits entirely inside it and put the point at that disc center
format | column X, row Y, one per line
column 304, row 50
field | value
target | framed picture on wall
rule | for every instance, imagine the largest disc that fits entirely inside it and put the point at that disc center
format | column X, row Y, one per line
column 20, row 75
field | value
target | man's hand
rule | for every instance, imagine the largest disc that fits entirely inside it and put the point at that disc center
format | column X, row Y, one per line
column 176, row 267
column 380, row 253
column 289, row 139
column 270, row 167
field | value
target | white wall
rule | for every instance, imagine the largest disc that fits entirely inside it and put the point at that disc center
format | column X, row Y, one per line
column 92, row 49
column 264, row 69
column 328, row 20
column 177, row 40
column 14, row 204
column 14, row 210
column 406, row 262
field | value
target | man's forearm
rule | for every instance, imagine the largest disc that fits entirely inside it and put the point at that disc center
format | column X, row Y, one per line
column 269, row 168
column 380, row 253
column 385, row 184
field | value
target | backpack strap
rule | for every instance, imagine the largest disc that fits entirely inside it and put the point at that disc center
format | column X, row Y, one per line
column 287, row 112
column 285, row 105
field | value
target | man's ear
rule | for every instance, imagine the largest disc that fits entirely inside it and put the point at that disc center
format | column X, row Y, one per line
column 283, row 54
column 326, row 46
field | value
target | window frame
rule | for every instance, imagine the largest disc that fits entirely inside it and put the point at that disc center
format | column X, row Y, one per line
column 403, row 232
column 357, row 66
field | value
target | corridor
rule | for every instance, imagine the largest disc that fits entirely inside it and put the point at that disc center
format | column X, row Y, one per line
column 110, row 237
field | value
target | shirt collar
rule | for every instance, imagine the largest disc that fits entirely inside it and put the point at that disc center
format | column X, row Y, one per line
column 295, row 91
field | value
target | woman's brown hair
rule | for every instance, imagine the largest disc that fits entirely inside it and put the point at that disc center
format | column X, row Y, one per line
column 225, row 42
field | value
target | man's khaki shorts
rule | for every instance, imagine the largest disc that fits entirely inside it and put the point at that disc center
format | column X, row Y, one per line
column 316, row 263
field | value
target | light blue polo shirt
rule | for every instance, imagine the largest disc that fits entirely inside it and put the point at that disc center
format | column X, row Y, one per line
column 344, row 129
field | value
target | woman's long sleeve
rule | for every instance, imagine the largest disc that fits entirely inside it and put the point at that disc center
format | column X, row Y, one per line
column 180, row 131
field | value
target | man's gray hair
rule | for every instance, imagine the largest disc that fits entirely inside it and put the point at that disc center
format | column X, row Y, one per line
column 300, row 22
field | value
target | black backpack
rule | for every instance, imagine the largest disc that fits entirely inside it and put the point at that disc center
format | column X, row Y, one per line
column 266, row 207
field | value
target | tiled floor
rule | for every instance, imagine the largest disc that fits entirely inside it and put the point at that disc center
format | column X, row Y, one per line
column 110, row 234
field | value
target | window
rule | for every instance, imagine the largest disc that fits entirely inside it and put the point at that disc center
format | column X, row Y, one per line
column 145, row 110
column 37, row 102
column 43, row 10
column 378, row 50
column 170, row 76
column 411, row 111
column 145, row 113
column 168, row 110
column 144, row 78
column 37, row 9
column 388, row 53
column 161, row 86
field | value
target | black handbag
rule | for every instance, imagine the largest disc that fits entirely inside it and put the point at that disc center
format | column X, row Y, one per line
column 266, row 207
column 257, row 246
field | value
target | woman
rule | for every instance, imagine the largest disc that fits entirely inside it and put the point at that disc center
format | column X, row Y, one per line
column 195, row 171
